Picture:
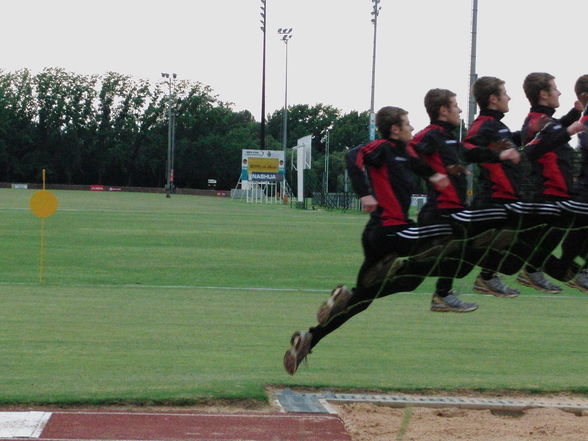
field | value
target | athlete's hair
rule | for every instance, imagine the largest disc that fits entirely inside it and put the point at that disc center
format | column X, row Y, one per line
column 435, row 99
column 484, row 87
column 534, row 83
column 387, row 117
column 581, row 85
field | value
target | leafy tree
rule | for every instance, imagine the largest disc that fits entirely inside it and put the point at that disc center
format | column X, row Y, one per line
column 17, row 115
column 349, row 130
column 112, row 129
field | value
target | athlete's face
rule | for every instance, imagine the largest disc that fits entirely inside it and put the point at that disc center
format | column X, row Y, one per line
column 551, row 97
column 403, row 131
column 500, row 100
column 451, row 112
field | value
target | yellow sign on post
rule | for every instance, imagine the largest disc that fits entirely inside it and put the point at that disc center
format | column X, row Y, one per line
column 43, row 204
column 264, row 165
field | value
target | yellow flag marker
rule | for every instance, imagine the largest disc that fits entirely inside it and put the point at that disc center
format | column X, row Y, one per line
column 43, row 204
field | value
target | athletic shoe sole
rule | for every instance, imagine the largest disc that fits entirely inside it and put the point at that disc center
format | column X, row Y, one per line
column 488, row 291
column 571, row 284
column 299, row 349
column 443, row 308
column 530, row 284
column 337, row 302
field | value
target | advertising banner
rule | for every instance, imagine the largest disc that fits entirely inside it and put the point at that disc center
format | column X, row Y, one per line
column 262, row 165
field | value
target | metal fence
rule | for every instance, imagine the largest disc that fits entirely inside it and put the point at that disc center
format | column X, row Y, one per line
column 261, row 193
column 340, row 201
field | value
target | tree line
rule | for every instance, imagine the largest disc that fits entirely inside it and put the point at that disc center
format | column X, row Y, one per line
column 112, row 129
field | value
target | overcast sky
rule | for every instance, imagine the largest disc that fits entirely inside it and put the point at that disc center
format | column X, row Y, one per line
column 421, row 44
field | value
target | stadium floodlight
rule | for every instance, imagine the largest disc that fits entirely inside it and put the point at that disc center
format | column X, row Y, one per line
column 263, row 20
column 286, row 35
column 170, row 134
column 372, row 124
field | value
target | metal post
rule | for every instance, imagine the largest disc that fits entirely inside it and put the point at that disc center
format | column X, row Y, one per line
column 472, row 101
column 169, row 149
column 286, row 34
column 326, row 179
column 169, row 172
column 173, row 133
column 346, row 181
column 285, row 115
column 263, row 22
column 372, row 123
column 168, row 166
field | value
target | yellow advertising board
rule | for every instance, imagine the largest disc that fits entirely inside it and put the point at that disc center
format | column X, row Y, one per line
column 264, row 165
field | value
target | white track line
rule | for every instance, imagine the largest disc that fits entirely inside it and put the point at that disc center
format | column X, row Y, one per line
column 269, row 289
column 204, row 414
column 137, row 286
column 134, row 439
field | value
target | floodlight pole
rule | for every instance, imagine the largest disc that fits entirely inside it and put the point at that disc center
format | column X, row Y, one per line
column 263, row 14
column 472, row 101
column 170, row 134
column 372, row 123
column 286, row 34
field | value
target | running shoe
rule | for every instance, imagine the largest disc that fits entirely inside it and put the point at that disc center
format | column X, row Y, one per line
column 336, row 303
column 451, row 303
column 299, row 349
column 580, row 282
column 495, row 286
column 538, row 281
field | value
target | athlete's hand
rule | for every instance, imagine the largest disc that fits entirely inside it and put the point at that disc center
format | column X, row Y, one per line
column 368, row 203
column 457, row 169
column 575, row 127
column 439, row 180
column 501, row 145
column 510, row 155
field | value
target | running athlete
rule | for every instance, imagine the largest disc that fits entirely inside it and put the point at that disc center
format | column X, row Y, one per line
column 438, row 146
column 497, row 182
column 389, row 231
column 576, row 242
column 551, row 158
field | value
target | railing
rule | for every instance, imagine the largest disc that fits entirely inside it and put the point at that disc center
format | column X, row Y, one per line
column 261, row 193
column 341, row 201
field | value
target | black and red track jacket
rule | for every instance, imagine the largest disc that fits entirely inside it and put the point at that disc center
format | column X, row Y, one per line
column 546, row 146
column 391, row 173
column 437, row 146
column 496, row 181
column 581, row 186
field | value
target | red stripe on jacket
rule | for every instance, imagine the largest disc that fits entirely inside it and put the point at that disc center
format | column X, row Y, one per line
column 446, row 197
column 555, row 184
column 365, row 150
column 501, row 185
column 392, row 213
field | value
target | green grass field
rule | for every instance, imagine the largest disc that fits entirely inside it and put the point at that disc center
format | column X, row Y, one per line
column 146, row 299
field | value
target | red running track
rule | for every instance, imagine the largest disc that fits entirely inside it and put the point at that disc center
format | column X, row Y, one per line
column 148, row 426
